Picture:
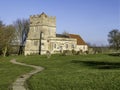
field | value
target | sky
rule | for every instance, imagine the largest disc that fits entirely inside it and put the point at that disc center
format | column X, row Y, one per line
column 91, row 19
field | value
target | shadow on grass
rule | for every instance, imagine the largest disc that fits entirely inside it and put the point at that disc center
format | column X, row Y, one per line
column 114, row 54
column 98, row 65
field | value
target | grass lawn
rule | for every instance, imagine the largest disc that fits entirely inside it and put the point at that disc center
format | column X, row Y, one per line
column 9, row 72
column 85, row 72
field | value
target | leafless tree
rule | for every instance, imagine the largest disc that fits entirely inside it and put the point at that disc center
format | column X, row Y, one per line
column 22, row 29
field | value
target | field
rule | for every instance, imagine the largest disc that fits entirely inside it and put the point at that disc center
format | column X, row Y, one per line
column 84, row 72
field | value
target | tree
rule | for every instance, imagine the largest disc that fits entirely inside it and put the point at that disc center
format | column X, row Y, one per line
column 114, row 39
column 6, row 37
column 22, row 29
column 1, row 28
column 65, row 33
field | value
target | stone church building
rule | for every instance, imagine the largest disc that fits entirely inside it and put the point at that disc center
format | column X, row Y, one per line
column 42, row 37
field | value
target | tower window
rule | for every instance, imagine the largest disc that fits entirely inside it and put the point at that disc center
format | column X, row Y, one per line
column 55, row 45
column 66, row 45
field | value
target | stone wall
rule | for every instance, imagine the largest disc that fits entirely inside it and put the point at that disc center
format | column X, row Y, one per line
column 61, row 44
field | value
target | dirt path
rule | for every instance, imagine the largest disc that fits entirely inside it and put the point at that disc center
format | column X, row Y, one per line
column 19, row 84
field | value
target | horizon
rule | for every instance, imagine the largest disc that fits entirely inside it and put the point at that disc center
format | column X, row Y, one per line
column 91, row 19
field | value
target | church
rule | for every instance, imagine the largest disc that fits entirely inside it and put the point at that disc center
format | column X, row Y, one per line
column 42, row 37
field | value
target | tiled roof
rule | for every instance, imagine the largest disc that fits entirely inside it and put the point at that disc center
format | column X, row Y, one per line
column 80, row 41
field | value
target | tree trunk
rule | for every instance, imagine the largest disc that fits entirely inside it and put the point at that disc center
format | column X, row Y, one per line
column 21, row 50
column 4, row 51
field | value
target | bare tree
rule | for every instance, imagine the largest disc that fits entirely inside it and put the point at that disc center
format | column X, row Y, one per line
column 22, row 29
column 65, row 33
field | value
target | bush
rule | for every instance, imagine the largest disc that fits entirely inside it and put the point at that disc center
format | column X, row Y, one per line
column 66, row 52
column 86, row 52
column 78, row 53
column 74, row 52
column 48, row 54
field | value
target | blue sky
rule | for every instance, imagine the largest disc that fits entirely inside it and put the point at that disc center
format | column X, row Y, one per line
column 92, row 19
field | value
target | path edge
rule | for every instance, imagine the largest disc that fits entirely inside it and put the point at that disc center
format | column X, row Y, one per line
column 21, row 81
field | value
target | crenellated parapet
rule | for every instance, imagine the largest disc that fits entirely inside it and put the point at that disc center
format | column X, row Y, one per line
column 42, row 19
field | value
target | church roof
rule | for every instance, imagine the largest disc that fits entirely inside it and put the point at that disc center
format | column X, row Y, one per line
column 80, row 41
column 62, row 36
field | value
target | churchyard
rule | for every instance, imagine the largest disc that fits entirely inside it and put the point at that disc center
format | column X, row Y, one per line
column 74, row 72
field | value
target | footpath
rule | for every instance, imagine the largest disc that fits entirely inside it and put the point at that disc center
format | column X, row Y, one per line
column 19, row 84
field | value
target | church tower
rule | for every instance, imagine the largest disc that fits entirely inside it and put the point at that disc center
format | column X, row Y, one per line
column 42, row 27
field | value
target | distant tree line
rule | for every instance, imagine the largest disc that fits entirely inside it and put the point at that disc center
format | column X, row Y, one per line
column 114, row 43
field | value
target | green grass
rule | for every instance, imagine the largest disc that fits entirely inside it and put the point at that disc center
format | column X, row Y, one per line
column 85, row 72
column 9, row 72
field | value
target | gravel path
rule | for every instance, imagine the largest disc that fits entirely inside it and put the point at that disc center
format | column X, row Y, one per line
column 19, row 84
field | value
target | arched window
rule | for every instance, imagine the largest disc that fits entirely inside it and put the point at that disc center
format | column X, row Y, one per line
column 73, row 46
column 84, row 47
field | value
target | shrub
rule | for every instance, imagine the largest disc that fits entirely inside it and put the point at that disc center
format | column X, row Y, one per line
column 66, row 52
column 86, row 52
column 74, row 52
column 78, row 53
column 48, row 54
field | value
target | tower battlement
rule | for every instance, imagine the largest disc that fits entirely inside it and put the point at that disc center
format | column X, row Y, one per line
column 43, row 19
